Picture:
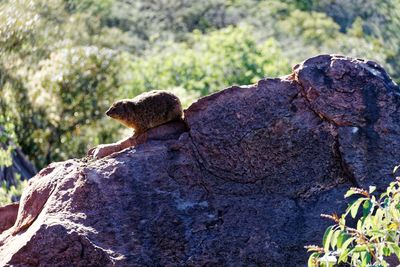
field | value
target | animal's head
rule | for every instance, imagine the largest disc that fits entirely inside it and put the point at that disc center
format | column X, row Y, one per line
column 121, row 111
column 117, row 110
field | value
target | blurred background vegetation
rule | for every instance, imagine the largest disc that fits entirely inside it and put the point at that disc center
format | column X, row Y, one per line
column 63, row 62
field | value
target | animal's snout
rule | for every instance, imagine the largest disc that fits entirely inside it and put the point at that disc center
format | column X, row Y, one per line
column 108, row 112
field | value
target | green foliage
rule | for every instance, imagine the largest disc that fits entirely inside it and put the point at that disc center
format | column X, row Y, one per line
column 12, row 193
column 150, row 22
column 375, row 238
column 376, row 24
column 314, row 28
column 5, row 156
column 72, row 89
column 97, row 7
column 7, row 141
column 7, row 146
column 17, row 23
column 55, row 84
column 207, row 63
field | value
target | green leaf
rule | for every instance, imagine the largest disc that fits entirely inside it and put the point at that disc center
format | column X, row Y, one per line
column 367, row 208
column 344, row 255
column 342, row 222
column 343, row 236
column 360, row 224
column 376, row 234
column 354, row 207
column 365, row 258
column 359, row 248
column 386, row 251
column 327, row 238
column 350, row 193
column 354, row 258
column 395, row 249
column 347, row 243
column 312, row 258
column 395, row 169
column 334, row 238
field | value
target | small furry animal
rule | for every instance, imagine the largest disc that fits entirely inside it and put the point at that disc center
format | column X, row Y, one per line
column 141, row 113
column 146, row 110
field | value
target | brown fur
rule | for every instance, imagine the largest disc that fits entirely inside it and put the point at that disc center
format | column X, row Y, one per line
column 146, row 110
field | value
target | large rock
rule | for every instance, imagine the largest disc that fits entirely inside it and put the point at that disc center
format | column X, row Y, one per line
column 8, row 216
column 361, row 100
column 243, row 186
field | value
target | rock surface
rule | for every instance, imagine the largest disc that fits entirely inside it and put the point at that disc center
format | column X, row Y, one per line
column 243, row 185
column 8, row 216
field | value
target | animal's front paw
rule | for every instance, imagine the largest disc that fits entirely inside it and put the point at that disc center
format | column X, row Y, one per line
column 102, row 151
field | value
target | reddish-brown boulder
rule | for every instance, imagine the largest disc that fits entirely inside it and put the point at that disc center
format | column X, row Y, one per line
column 243, row 185
column 8, row 216
column 361, row 100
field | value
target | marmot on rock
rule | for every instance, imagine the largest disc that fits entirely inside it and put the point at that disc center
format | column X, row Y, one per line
column 145, row 111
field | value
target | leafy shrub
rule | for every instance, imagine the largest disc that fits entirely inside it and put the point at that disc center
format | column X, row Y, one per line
column 8, row 193
column 7, row 141
column 313, row 27
column 208, row 63
column 70, row 92
column 375, row 238
column 12, row 193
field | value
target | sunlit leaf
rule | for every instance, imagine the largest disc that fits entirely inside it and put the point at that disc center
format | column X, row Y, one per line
column 342, row 237
column 354, row 207
column 395, row 169
column 395, row 249
column 359, row 248
column 366, row 208
column 347, row 243
column 350, row 193
column 365, row 258
column 327, row 238
column 386, row 251
column 312, row 260
column 372, row 189
column 344, row 255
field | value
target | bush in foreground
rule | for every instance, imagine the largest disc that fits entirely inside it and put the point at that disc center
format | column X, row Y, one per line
column 375, row 239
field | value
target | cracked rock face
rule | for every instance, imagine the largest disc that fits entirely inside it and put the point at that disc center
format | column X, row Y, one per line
column 244, row 185
column 360, row 99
